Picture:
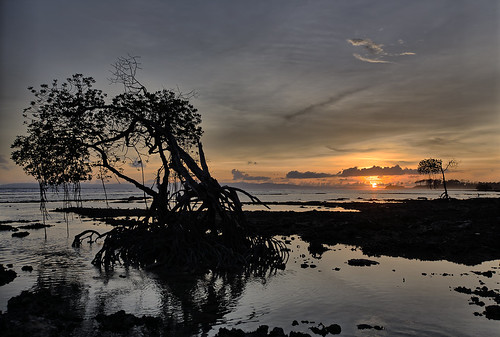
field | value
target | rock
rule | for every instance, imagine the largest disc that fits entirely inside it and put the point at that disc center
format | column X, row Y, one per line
column 20, row 234
column 261, row 330
column 364, row 326
column 316, row 248
column 6, row 275
column 361, row 262
column 38, row 313
column 27, row 268
column 475, row 300
column 277, row 332
column 319, row 330
column 6, row 227
column 367, row 326
column 223, row 332
column 298, row 334
column 334, row 329
column 463, row 290
column 295, row 323
column 492, row 312
column 36, row 225
column 488, row 273
column 120, row 321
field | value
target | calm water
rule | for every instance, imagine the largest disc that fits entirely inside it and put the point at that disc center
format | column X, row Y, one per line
column 406, row 297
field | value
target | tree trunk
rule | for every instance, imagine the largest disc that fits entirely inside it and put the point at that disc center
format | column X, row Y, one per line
column 445, row 194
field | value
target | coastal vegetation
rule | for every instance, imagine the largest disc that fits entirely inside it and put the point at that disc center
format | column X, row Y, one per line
column 435, row 166
column 193, row 223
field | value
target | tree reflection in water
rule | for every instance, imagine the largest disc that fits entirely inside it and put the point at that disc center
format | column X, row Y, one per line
column 193, row 305
column 183, row 304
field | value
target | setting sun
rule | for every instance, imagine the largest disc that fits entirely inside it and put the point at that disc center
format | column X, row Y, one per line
column 374, row 185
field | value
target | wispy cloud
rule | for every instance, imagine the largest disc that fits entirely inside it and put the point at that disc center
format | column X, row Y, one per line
column 368, row 44
column 375, row 53
column 350, row 150
column 330, row 101
column 239, row 175
column 369, row 60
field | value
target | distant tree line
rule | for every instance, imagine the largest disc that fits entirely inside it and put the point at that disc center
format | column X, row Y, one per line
column 458, row 184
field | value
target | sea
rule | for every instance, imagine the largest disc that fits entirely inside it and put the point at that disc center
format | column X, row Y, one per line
column 396, row 297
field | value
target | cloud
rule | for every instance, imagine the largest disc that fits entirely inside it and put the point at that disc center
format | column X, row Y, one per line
column 137, row 163
column 239, row 175
column 369, row 60
column 374, row 52
column 331, row 100
column 336, row 149
column 376, row 171
column 368, row 44
column 307, row 175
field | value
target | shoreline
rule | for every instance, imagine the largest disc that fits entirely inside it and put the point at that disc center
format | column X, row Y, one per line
column 460, row 231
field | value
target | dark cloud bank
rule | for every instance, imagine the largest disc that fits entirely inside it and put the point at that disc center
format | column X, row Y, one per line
column 239, row 175
column 354, row 172
column 307, row 175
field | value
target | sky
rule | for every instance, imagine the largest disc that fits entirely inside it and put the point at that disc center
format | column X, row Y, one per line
column 290, row 91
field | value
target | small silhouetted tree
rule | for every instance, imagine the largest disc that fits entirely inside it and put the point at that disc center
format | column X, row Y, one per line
column 193, row 222
column 435, row 166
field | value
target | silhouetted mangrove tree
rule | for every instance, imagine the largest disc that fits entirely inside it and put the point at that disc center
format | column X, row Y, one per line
column 193, row 222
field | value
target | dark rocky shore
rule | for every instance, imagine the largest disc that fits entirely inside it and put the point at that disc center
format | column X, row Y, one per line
column 461, row 231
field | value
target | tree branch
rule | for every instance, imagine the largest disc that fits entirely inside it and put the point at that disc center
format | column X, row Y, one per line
column 137, row 184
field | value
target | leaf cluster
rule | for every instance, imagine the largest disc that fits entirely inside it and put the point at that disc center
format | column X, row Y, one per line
column 430, row 166
column 71, row 128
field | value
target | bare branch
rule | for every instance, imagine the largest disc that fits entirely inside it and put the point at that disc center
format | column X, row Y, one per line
column 124, row 72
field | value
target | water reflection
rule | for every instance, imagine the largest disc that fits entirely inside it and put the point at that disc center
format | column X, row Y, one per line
column 194, row 304
column 187, row 305
column 404, row 296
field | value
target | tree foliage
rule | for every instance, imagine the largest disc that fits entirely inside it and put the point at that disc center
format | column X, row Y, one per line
column 75, row 131
column 435, row 166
